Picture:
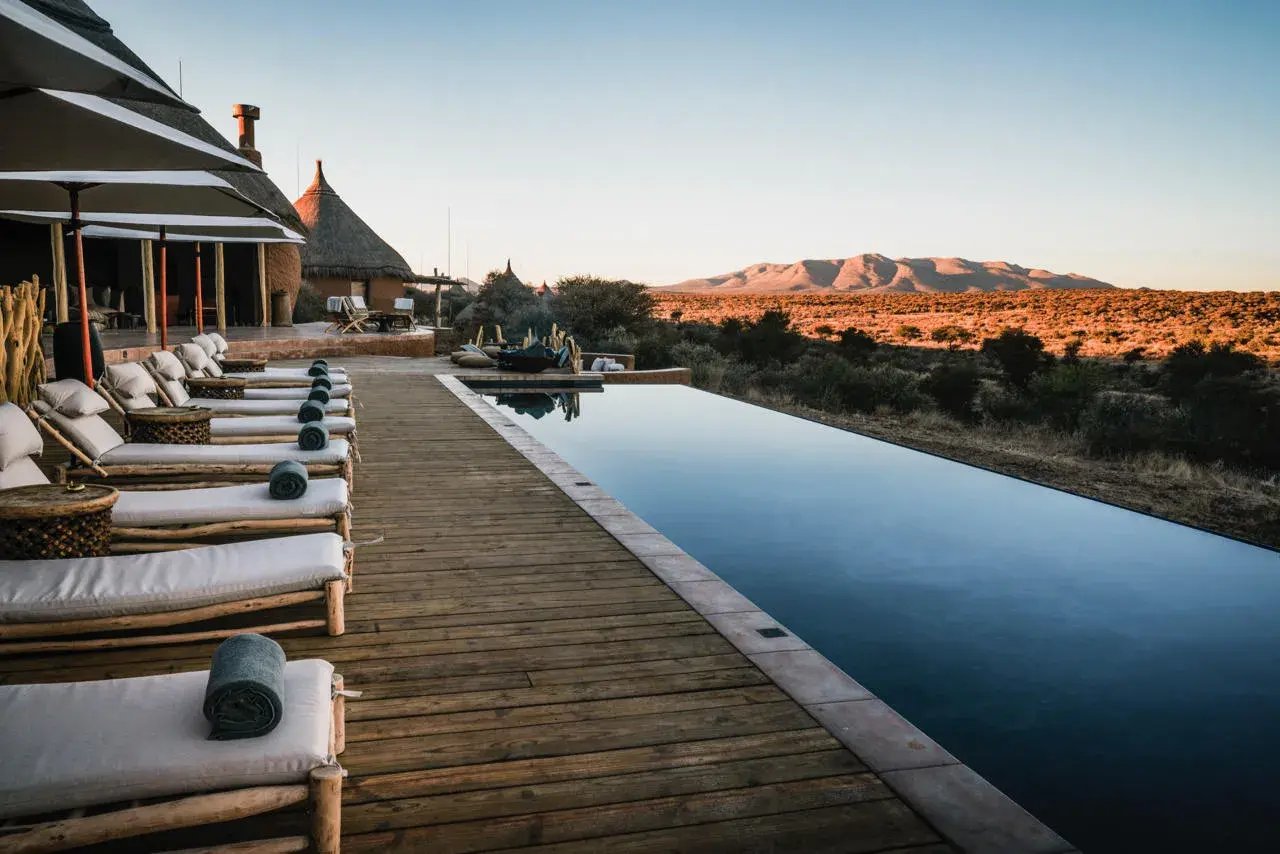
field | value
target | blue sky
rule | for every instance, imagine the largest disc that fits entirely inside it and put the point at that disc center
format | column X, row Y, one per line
column 662, row 141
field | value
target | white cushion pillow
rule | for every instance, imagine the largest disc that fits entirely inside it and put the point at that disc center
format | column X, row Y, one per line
column 205, row 343
column 130, row 379
column 167, row 365
column 192, row 355
column 19, row 438
column 219, row 342
column 72, row 398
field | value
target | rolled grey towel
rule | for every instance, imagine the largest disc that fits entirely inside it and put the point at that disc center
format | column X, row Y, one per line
column 313, row 436
column 288, row 480
column 324, row 362
column 322, row 382
column 318, row 370
column 319, row 394
column 244, row 697
column 310, row 411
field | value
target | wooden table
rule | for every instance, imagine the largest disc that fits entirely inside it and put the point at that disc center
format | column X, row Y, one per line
column 218, row 388
column 170, row 425
column 56, row 521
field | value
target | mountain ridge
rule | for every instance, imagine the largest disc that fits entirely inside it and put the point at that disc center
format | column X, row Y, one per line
column 874, row 273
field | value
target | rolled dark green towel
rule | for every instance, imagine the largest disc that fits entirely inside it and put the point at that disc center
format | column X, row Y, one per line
column 319, row 395
column 310, row 411
column 322, row 382
column 320, row 362
column 313, row 436
column 244, row 696
column 318, row 370
column 288, row 480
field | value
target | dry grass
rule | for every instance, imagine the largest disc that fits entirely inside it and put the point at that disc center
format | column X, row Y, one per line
column 1108, row 322
column 1210, row 497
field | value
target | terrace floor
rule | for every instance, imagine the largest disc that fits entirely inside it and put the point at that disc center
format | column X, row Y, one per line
column 528, row 682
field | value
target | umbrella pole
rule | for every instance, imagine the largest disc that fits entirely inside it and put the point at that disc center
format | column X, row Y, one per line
column 164, row 291
column 199, row 295
column 84, row 291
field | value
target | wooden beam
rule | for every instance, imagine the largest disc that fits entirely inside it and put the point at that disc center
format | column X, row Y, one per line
column 220, row 286
column 149, row 285
column 58, row 247
column 262, row 284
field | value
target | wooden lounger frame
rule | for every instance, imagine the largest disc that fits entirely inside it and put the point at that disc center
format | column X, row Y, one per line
column 323, row 791
column 130, row 539
column 14, row 636
column 163, row 397
column 178, row 475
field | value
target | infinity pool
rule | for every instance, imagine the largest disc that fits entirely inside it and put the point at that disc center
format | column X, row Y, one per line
column 1116, row 674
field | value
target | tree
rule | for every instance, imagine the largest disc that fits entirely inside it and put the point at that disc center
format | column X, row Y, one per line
column 953, row 336
column 1192, row 362
column 1020, row 355
column 856, row 345
column 772, row 338
column 588, row 306
column 954, row 388
column 909, row 332
column 501, row 297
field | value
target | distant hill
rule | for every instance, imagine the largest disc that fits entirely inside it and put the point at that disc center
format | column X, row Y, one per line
column 872, row 273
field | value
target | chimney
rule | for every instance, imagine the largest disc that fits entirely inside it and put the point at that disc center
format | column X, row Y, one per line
column 247, row 114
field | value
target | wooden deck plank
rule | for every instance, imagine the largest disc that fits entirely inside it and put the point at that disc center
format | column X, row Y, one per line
column 530, row 683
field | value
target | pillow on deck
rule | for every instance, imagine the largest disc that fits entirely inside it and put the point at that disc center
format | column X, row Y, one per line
column 19, row 438
column 130, row 379
column 72, row 398
column 193, row 358
column 205, row 343
column 219, row 342
column 475, row 360
column 167, row 365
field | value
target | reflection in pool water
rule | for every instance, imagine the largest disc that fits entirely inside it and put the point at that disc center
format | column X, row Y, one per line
column 1116, row 674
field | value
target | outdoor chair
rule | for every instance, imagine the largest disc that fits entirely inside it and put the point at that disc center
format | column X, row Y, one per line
column 354, row 316
column 46, row 604
column 168, row 373
column 128, row 387
column 80, row 746
column 154, row 520
column 71, row 413
column 401, row 315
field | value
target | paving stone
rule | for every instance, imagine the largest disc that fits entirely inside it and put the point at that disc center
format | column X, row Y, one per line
column 881, row 737
column 755, row 631
column 809, row 677
column 713, row 597
column 648, row 544
column 681, row 567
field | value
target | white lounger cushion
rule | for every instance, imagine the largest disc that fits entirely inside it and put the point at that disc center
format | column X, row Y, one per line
column 269, row 453
column 34, row 591
column 77, row 744
column 25, row 472
column 275, row 425
column 336, row 374
column 261, row 406
column 298, row 393
column 325, row 497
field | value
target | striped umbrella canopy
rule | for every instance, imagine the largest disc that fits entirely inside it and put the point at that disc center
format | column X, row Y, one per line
column 62, row 44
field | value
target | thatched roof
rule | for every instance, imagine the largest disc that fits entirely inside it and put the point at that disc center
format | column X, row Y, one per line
column 341, row 245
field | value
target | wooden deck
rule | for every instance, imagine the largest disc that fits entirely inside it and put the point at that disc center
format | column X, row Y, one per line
column 529, row 683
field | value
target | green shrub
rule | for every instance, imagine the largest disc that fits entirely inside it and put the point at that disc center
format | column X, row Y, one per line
column 616, row 340
column 536, row 316
column 772, row 338
column 1019, row 354
column 1235, row 420
column 954, row 388
column 1062, row 394
column 909, row 332
column 856, row 345
column 592, row 306
column 1192, row 362
column 830, row 382
column 308, row 305
column 707, row 364
column 1118, row 422
column 653, row 347
column 998, row 403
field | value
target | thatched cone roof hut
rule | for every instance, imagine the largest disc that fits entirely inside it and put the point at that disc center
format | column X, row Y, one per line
column 343, row 255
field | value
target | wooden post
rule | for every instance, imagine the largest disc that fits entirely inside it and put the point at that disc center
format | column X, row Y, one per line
column 59, row 272
column 83, row 290
column 149, row 286
column 199, row 294
column 326, row 809
column 339, row 716
column 335, row 618
column 164, row 291
column 262, row 284
column 437, row 305
column 220, row 286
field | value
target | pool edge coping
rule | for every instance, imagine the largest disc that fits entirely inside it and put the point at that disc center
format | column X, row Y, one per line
column 962, row 806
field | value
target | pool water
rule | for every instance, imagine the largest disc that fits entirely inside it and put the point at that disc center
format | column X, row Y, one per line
column 1116, row 674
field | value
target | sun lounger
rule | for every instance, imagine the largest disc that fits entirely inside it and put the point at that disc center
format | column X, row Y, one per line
column 216, row 348
column 154, row 520
column 168, row 374
column 70, row 416
column 45, row 604
column 128, row 387
column 198, row 364
column 78, row 745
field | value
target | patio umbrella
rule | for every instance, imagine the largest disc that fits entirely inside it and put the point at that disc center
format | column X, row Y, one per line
column 59, row 130
column 120, row 192
column 62, row 44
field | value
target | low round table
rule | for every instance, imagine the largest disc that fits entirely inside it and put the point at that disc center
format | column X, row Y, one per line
column 244, row 366
column 170, row 425
column 56, row 520
column 217, row 388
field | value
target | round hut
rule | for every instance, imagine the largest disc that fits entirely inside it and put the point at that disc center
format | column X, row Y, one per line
column 343, row 256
